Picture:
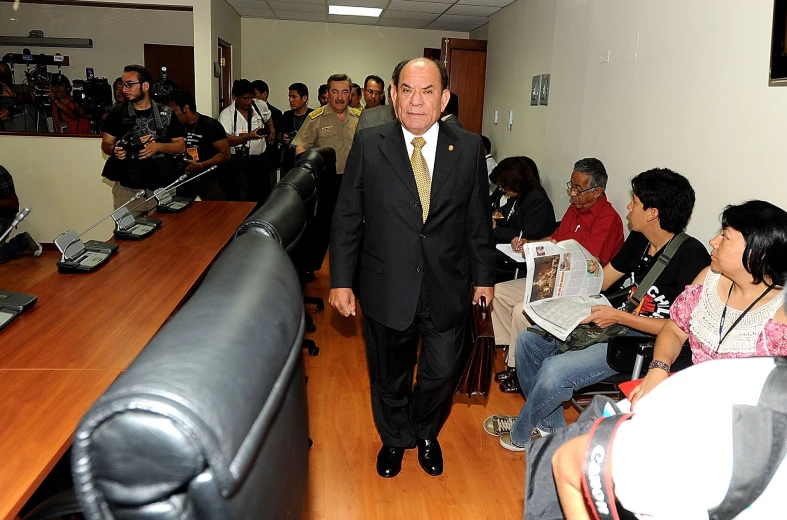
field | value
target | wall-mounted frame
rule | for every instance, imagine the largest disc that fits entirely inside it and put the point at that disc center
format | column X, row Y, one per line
column 778, row 71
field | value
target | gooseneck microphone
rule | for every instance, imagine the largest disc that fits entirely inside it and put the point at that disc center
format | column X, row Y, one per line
column 17, row 219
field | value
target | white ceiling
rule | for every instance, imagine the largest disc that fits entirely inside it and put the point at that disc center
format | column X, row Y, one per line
column 443, row 15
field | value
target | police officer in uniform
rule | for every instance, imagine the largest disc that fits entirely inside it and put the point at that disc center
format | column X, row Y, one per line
column 333, row 124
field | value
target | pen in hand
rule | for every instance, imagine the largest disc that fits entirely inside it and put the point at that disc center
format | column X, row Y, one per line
column 517, row 245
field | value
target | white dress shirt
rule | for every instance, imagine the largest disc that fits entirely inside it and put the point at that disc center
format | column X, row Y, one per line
column 229, row 115
column 430, row 148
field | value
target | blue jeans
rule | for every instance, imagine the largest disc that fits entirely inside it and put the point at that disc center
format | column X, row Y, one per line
column 548, row 380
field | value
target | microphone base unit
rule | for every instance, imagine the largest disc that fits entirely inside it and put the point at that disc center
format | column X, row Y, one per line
column 176, row 205
column 12, row 304
column 94, row 255
column 141, row 228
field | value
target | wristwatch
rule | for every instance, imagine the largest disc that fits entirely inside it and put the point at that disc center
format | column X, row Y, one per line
column 659, row 364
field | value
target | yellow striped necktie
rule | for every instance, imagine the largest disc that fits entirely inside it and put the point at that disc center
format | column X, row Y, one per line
column 421, row 171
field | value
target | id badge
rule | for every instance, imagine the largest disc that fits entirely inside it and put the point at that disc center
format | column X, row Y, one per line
column 193, row 153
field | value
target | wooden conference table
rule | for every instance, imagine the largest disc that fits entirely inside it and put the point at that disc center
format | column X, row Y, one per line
column 57, row 358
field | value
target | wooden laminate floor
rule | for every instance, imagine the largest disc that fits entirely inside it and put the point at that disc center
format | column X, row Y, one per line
column 481, row 479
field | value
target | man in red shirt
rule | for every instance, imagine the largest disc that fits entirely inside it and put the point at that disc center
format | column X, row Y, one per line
column 68, row 117
column 590, row 220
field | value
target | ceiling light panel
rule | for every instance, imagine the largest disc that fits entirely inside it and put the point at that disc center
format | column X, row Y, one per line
column 346, row 10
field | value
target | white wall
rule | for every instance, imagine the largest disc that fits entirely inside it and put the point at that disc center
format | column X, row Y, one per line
column 225, row 24
column 118, row 34
column 283, row 52
column 60, row 178
column 695, row 100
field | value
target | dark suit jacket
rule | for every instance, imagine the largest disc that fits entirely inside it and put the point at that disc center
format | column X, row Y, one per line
column 376, row 116
column 533, row 215
column 378, row 222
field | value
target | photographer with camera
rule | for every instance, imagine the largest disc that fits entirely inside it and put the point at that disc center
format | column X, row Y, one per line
column 245, row 122
column 69, row 117
column 141, row 138
column 16, row 111
column 292, row 120
column 206, row 146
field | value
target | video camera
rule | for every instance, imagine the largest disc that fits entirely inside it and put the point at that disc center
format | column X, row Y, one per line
column 40, row 81
column 95, row 94
column 132, row 144
column 162, row 89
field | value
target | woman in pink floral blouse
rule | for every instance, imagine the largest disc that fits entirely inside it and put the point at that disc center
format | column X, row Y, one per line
column 735, row 308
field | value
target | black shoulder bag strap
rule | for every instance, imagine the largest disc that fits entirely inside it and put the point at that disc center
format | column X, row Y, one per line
column 655, row 271
column 759, row 444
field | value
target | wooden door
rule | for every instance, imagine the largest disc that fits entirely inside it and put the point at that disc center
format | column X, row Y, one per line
column 179, row 60
column 225, row 76
column 466, row 64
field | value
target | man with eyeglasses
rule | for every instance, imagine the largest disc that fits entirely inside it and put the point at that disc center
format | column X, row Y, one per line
column 149, row 135
column 333, row 124
column 590, row 220
column 373, row 93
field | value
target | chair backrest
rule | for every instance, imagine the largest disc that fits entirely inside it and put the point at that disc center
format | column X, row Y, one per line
column 321, row 163
column 282, row 217
column 209, row 422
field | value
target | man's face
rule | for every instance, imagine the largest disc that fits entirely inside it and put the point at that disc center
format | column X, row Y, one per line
column 323, row 99
column 243, row 102
column 134, row 90
column 355, row 99
column 581, row 196
column 373, row 93
column 339, row 95
column 262, row 96
column 178, row 112
column 60, row 91
column 119, row 95
column 297, row 101
column 419, row 99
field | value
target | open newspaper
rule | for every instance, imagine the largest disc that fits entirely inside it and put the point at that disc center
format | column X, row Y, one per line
column 563, row 283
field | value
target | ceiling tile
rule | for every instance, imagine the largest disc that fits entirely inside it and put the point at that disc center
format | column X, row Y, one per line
column 250, row 12
column 473, row 10
column 401, row 15
column 437, row 1
column 496, row 3
column 313, row 2
column 407, row 24
column 416, row 7
column 353, row 20
column 464, row 20
column 294, row 15
column 299, row 8
column 254, row 4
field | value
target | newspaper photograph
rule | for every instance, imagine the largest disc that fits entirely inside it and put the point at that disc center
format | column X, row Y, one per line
column 563, row 283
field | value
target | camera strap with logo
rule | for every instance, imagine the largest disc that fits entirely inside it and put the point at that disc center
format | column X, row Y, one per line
column 597, row 484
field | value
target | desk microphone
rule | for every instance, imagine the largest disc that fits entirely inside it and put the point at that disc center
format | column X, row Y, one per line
column 17, row 219
column 169, row 204
column 13, row 303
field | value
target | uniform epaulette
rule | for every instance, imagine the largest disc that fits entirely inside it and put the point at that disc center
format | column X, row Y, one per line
column 355, row 111
column 316, row 112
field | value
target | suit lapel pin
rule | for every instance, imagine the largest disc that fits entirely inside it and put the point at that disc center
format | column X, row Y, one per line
column 450, row 148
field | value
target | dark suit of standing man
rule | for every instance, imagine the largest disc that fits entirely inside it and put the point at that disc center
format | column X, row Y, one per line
column 420, row 256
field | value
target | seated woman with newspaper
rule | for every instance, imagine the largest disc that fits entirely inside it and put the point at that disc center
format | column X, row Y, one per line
column 734, row 308
column 562, row 290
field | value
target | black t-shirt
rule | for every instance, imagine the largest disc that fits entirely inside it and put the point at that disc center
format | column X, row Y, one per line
column 290, row 123
column 633, row 260
column 202, row 134
column 118, row 122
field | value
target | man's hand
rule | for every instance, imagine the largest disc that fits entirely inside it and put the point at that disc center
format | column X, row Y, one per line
column 489, row 292
column 192, row 166
column 151, row 149
column 343, row 300
column 271, row 139
column 120, row 153
column 518, row 244
column 604, row 316
column 251, row 136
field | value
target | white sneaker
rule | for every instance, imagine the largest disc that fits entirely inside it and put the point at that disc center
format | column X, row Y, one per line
column 538, row 433
column 33, row 246
column 497, row 424
column 505, row 441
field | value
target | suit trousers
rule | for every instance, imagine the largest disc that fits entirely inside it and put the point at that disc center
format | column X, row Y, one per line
column 404, row 412
column 507, row 317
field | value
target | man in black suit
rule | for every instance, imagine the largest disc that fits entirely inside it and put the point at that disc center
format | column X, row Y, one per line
column 413, row 209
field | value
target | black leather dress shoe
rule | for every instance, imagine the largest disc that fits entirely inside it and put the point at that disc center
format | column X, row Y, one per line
column 430, row 456
column 510, row 386
column 508, row 373
column 389, row 461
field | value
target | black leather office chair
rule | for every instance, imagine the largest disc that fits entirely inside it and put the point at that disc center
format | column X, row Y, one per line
column 209, row 422
column 282, row 217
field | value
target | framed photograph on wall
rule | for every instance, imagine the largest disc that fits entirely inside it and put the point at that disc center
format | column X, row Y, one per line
column 778, row 73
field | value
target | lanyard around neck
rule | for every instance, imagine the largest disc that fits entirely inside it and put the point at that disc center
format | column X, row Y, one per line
column 744, row 313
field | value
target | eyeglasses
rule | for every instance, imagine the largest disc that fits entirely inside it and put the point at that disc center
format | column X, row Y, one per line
column 374, row 92
column 578, row 190
column 129, row 84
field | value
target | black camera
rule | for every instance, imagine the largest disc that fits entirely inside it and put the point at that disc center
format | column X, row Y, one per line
column 241, row 152
column 132, row 144
column 40, row 81
column 95, row 94
column 163, row 88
